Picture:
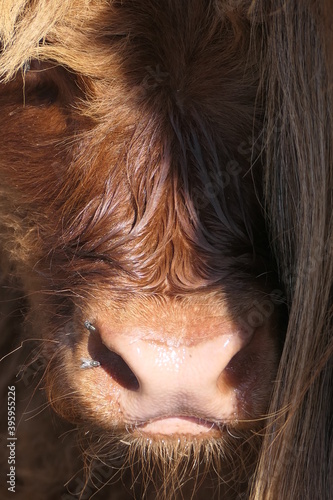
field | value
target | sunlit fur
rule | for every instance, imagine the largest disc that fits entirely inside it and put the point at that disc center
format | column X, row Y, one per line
column 171, row 470
column 113, row 111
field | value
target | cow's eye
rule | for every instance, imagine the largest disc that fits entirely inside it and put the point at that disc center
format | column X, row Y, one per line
column 40, row 84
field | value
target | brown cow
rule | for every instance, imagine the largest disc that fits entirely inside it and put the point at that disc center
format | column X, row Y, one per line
column 166, row 249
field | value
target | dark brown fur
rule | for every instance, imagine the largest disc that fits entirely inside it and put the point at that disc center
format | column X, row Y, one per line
column 155, row 154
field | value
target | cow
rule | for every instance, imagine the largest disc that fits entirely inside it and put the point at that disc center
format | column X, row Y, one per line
column 166, row 247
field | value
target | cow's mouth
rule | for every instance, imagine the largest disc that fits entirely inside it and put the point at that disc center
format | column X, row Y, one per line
column 178, row 426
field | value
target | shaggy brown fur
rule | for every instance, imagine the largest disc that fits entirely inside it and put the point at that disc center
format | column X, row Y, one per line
column 153, row 155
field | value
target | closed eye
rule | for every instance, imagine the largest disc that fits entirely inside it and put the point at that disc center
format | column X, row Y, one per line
column 39, row 84
column 45, row 84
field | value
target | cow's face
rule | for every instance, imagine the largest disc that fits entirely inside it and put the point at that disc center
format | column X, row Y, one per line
column 142, row 243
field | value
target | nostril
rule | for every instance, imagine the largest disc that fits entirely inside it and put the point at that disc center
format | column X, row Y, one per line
column 112, row 363
column 119, row 370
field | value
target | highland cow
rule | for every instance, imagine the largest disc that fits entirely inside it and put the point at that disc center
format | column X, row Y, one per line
column 166, row 221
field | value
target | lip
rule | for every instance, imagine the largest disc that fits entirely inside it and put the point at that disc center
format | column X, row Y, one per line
column 168, row 426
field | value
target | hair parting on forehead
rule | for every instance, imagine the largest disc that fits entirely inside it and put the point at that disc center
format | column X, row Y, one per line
column 296, row 459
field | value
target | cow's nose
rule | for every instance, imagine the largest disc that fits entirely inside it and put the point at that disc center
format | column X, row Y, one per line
column 172, row 378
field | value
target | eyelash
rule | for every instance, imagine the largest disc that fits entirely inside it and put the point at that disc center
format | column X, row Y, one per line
column 39, row 88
